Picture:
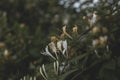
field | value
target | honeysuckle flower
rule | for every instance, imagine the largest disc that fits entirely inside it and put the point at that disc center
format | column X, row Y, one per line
column 94, row 19
column 64, row 43
column 43, row 72
column 65, row 32
column 48, row 53
column 56, row 67
column 53, row 38
column 44, row 53
column 6, row 53
column 59, row 45
column 43, row 67
column 64, row 29
column 103, row 39
column 52, row 47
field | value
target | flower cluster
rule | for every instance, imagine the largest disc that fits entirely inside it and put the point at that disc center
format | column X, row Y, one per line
column 56, row 48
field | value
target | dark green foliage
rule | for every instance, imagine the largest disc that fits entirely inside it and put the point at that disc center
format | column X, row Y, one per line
column 26, row 27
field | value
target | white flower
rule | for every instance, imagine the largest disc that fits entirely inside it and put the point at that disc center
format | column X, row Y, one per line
column 56, row 67
column 48, row 53
column 53, row 47
column 103, row 39
column 65, row 44
column 95, row 42
column 59, row 45
column 64, row 48
column 43, row 72
column 65, row 32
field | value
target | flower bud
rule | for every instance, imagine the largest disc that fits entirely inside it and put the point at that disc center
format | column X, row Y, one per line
column 84, row 17
column 64, row 29
column 95, row 42
column 54, row 38
column 75, row 29
column 95, row 30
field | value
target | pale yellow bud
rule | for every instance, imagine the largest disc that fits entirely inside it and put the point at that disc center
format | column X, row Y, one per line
column 95, row 30
column 64, row 29
column 22, row 25
column 6, row 53
column 75, row 29
column 84, row 17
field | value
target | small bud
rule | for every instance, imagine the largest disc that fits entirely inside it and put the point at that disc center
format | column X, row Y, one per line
column 22, row 25
column 54, row 39
column 95, row 30
column 75, row 29
column 64, row 29
column 6, row 53
column 84, row 17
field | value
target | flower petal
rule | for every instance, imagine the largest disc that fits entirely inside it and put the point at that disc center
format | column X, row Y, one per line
column 47, row 51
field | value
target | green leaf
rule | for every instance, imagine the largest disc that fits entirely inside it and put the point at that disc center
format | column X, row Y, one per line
column 67, row 74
